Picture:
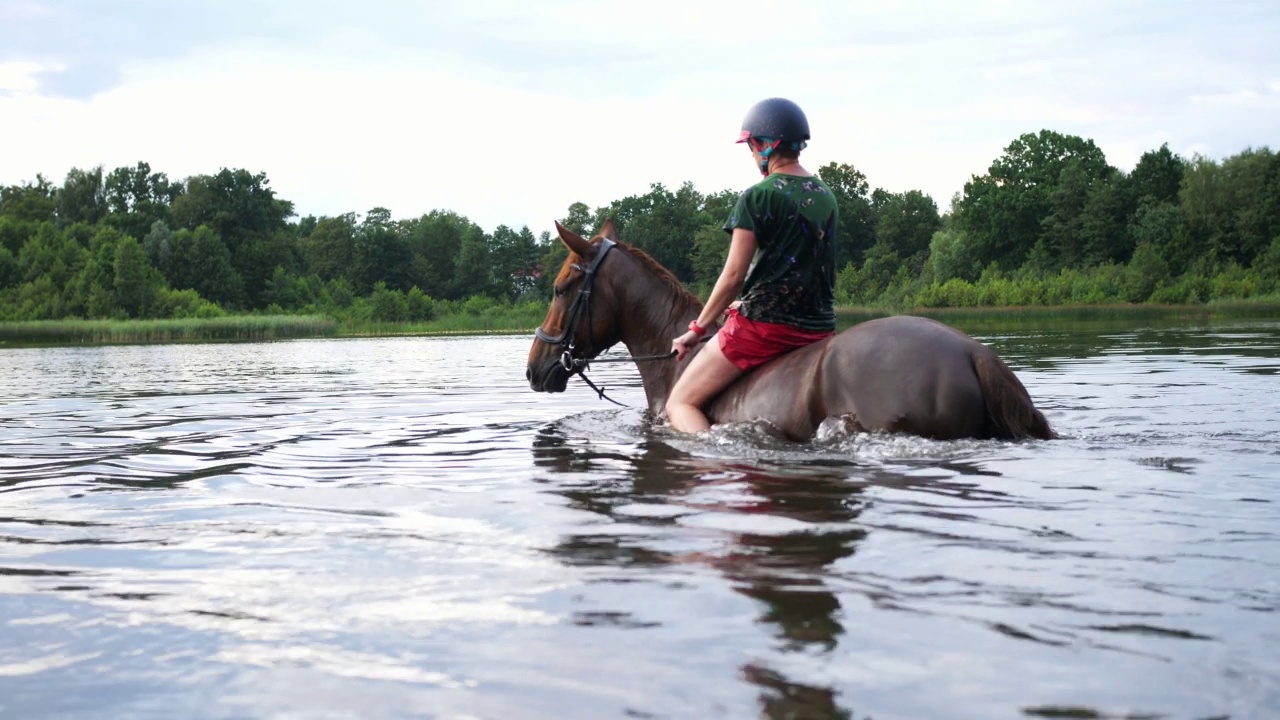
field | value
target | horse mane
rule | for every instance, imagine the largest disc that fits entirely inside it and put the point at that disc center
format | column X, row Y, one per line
column 667, row 277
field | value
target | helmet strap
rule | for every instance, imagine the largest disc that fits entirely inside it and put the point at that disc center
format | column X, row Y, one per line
column 765, row 147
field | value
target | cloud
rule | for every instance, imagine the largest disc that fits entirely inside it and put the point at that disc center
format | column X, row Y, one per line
column 19, row 77
column 508, row 112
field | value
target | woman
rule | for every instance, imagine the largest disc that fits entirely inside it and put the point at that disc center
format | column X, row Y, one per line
column 781, row 260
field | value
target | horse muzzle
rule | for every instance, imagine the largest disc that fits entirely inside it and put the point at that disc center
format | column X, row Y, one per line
column 547, row 375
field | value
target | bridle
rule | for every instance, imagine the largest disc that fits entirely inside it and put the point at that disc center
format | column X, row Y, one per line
column 567, row 339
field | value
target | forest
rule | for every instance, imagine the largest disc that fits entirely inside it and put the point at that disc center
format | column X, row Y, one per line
column 1050, row 222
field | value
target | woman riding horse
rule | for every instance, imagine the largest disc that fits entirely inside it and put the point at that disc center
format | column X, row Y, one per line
column 781, row 259
column 895, row 374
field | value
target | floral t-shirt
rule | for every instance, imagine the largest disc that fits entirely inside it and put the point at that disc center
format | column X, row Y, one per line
column 792, row 278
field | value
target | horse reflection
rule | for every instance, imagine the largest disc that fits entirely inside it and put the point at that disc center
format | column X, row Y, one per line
column 785, row 572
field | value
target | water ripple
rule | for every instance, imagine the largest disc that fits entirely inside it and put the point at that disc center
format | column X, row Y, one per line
column 383, row 528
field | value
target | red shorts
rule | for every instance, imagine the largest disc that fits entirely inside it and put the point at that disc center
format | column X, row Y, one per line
column 748, row 343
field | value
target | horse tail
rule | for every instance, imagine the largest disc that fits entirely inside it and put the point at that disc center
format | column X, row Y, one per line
column 1010, row 412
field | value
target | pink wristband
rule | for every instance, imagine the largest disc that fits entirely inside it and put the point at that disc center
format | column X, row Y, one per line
column 697, row 329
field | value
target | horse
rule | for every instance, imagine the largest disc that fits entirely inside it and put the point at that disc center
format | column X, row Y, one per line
column 897, row 374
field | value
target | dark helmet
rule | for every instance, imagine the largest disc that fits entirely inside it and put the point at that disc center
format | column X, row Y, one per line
column 776, row 118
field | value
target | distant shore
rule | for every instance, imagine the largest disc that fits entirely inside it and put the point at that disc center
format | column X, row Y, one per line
column 240, row 328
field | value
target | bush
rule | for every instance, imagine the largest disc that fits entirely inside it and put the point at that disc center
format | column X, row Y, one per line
column 388, row 305
column 170, row 303
column 478, row 305
column 420, row 305
column 1266, row 268
column 1145, row 273
column 1232, row 282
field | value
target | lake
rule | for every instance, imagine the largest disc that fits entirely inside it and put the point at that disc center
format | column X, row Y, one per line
column 399, row 527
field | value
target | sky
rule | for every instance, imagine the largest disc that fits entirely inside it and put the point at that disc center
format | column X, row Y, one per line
column 508, row 112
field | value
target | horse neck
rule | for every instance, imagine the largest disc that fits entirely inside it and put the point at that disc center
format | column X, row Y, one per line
column 653, row 313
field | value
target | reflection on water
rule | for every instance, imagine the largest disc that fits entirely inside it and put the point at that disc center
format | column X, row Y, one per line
column 783, row 531
column 399, row 527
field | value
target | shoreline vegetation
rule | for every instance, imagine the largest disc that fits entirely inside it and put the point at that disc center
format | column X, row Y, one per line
column 1050, row 230
column 522, row 320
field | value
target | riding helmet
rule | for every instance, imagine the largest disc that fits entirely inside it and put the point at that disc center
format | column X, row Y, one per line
column 776, row 118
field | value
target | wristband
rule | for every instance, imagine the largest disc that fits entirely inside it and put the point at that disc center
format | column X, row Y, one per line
column 697, row 329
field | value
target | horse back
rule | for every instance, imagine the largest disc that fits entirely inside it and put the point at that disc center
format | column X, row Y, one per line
column 906, row 374
column 897, row 374
column 782, row 391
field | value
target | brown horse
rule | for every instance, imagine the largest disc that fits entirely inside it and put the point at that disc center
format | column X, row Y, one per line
column 898, row 374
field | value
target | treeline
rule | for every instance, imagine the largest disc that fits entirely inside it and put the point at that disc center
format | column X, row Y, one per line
column 1051, row 222
column 134, row 244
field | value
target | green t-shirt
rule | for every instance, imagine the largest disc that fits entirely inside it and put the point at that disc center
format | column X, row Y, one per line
column 792, row 279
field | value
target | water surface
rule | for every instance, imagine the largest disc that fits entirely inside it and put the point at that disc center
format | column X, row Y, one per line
column 383, row 528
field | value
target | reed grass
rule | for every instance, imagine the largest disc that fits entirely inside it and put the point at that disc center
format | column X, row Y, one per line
column 110, row 332
column 523, row 319
column 1082, row 318
column 499, row 322
column 1256, row 307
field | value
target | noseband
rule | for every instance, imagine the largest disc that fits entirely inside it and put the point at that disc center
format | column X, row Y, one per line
column 567, row 338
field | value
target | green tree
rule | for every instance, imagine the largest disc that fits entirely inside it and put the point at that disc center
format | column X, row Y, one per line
column 158, row 243
column 663, row 224
column 856, row 232
column 474, row 267
column 329, row 251
column 1160, row 225
column 282, row 290
column 1105, row 232
column 951, row 256
column 8, row 268
column 90, row 291
column 865, row 285
column 1144, row 273
column 244, row 212
column 1003, row 211
column 552, row 254
column 710, row 249
column 13, row 233
column 435, row 241
column 579, row 219
column 136, row 198
column 1158, row 175
column 50, row 254
column 906, row 224
column 1266, row 266
column 30, row 202
column 202, row 262
column 381, row 253
column 515, row 261
column 135, row 280
column 82, row 197
column 388, row 305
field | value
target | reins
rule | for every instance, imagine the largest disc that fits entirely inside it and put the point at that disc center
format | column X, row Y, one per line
column 578, row 366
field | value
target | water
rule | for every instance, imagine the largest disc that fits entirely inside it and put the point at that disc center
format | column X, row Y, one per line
column 385, row 528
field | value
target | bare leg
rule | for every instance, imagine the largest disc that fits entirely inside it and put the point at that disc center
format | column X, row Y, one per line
column 708, row 373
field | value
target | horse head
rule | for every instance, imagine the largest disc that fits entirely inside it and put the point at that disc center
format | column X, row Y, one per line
column 582, row 321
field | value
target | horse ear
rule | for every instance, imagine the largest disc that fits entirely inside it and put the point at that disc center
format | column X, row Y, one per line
column 609, row 230
column 573, row 240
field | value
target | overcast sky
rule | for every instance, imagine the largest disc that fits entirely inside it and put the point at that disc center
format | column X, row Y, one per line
column 507, row 112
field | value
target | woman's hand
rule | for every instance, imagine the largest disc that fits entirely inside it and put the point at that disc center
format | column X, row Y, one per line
column 732, row 306
column 683, row 344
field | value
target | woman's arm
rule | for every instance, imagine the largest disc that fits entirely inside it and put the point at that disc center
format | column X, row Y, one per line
column 742, row 248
